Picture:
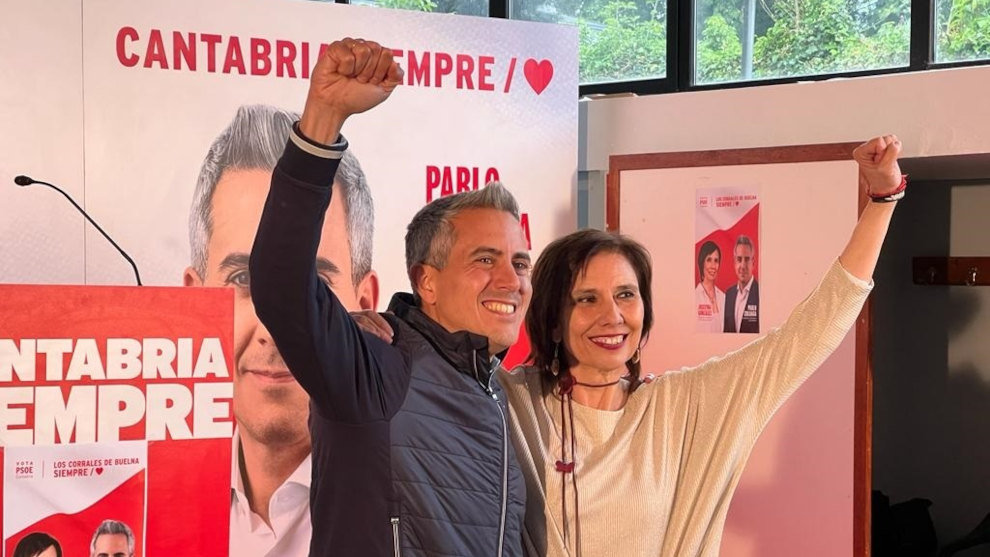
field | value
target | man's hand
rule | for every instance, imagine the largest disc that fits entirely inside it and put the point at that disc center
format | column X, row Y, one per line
column 372, row 322
column 879, row 172
column 351, row 76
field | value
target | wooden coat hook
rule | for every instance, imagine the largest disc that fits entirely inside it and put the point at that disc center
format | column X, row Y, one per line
column 953, row 271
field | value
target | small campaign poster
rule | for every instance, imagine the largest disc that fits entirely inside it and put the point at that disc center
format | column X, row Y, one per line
column 727, row 288
column 115, row 419
column 82, row 496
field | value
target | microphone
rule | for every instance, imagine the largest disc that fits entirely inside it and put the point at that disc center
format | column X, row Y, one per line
column 27, row 181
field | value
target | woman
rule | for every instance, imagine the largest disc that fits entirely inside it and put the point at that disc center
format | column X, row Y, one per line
column 708, row 298
column 618, row 463
column 38, row 544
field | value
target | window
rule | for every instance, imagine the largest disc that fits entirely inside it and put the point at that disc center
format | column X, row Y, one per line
column 619, row 40
column 463, row 7
column 653, row 46
column 962, row 30
column 738, row 40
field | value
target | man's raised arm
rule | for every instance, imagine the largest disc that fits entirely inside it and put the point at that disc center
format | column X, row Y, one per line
column 329, row 356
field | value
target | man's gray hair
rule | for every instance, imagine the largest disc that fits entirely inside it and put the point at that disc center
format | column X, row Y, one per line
column 431, row 234
column 743, row 240
column 110, row 527
column 254, row 140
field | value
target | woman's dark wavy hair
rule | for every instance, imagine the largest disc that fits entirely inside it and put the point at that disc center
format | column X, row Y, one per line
column 34, row 543
column 707, row 248
column 553, row 278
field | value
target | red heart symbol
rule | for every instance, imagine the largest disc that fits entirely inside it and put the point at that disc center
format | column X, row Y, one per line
column 99, row 471
column 538, row 74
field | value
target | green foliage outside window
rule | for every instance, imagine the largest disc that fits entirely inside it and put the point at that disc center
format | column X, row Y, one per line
column 619, row 40
column 414, row 5
column 962, row 30
column 463, row 7
column 802, row 37
column 617, row 43
column 622, row 40
column 719, row 51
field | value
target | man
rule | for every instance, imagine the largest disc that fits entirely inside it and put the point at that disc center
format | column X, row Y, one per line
column 742, row 300
column 270, row 472
column 428, row 468
column 112, row 539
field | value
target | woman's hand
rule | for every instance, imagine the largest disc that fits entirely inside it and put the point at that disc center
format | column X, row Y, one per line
column 878, row 169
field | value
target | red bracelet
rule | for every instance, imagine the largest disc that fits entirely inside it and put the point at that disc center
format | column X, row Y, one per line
column 898, row 192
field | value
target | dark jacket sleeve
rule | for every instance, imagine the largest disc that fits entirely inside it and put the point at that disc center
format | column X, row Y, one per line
column 350, row 375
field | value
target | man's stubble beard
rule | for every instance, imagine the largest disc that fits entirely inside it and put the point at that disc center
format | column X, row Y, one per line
column 279, row 424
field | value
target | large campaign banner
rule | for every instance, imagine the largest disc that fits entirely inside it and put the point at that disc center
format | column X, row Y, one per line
column 115, row 412
column 158, row 83
column 164, row 120
column 482, row 99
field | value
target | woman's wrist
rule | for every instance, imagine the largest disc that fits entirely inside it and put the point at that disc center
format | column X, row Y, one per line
column 890, row 196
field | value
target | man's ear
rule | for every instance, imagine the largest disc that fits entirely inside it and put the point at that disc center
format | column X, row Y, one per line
column 191, row 277
column 367, row 291
column 424, row 280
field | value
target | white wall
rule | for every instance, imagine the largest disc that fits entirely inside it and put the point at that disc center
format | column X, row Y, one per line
column 41, row 95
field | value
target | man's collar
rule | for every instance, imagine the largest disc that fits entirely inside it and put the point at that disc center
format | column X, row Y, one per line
column 404, row 307
column 302, row 475
column 236, row 477
column 467, row 352
column 748, row 284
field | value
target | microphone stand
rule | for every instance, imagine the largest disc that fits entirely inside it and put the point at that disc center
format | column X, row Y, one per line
column 27, row 181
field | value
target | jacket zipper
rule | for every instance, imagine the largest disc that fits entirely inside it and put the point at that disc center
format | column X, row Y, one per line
column 505, row 452
column 395, row 535
column 505, row 474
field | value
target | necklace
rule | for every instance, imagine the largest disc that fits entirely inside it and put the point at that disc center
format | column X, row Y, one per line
column 599, row 385
column 711, row 297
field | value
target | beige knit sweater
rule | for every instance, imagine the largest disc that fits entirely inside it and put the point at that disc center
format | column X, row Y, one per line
column 656, row 477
